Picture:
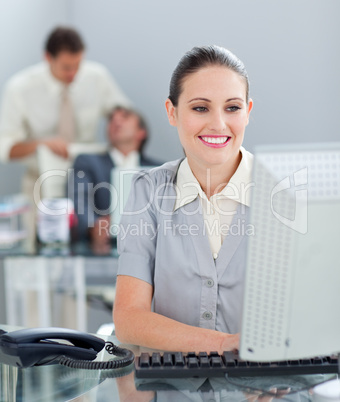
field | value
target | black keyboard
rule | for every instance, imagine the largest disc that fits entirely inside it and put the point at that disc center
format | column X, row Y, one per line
column 180, row 365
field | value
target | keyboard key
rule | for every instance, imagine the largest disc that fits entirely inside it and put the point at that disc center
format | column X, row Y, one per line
column 156, row 360
column 204, row 361
column 333, row 359
column 216, row 361
column 167, row 359
column 144, row 360
column 229, row 359
column 193, row 362
column 179, row 359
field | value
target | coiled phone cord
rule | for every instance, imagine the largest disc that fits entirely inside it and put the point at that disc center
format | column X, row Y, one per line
column 126, row 354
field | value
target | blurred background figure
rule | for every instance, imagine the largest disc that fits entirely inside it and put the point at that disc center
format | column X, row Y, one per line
column 54, row 103
column 89, row 185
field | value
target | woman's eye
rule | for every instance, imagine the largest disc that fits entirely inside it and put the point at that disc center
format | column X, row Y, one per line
column 200, row 109
column 233, row 108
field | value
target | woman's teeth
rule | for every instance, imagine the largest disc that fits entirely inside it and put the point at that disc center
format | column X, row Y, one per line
column 215, row 140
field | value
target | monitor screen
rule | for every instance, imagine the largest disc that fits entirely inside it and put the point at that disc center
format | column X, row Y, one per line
column 292, row 285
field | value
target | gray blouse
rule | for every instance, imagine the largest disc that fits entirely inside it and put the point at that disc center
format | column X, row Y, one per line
column 170, row 250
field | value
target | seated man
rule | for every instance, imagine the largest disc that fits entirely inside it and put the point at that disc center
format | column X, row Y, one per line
column 89, row 184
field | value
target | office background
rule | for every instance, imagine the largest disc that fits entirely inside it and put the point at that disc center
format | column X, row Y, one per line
column 290, row 49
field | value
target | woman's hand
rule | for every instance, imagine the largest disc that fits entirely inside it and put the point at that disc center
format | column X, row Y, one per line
column 231, row 343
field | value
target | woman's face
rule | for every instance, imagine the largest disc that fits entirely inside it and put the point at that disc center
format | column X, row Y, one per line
column 211, row 116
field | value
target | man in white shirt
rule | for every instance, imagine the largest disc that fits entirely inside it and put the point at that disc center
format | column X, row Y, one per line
column 55, row 103
column 89, row 185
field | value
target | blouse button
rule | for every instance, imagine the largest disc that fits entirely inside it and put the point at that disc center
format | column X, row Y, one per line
column 210, row 283
column 215, row 255
column 207, row 315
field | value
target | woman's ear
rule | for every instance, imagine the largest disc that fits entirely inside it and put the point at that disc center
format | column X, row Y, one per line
column 171, row 111
column 250, row 107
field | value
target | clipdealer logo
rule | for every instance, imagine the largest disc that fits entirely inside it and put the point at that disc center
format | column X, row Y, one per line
column 298, row 184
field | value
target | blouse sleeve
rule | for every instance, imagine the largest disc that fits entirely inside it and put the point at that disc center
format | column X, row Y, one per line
column 138, row 231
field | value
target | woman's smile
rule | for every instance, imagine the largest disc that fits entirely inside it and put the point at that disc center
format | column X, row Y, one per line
column 214, row 141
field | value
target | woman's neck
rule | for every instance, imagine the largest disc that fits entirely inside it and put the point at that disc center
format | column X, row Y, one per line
column 214, row 178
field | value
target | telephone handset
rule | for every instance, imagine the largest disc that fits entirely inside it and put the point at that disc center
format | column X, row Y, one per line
column 38, row 346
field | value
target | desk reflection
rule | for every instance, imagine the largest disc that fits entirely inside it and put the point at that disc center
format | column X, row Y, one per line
column 57, row 383
column 67, row 286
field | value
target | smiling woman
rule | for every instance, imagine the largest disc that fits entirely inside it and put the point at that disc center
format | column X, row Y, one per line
column 192, row 270
column 211, row 115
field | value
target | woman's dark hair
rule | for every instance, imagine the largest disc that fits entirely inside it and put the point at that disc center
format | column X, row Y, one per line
column 200, row 57
column 64, row 39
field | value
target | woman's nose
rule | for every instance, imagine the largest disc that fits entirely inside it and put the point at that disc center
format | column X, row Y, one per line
column 217, row 122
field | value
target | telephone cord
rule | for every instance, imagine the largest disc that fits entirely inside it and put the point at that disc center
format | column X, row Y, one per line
column 126, row 354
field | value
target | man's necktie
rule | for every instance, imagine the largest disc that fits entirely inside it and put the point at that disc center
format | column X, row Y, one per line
column 67, row 127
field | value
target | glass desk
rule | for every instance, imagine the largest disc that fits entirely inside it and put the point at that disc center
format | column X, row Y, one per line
column 67, row 286
column 57, row 383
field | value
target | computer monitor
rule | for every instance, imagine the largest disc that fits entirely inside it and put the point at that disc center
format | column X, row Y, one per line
column 292, row 287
